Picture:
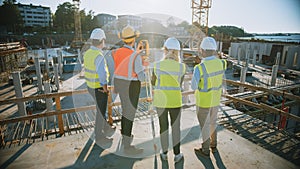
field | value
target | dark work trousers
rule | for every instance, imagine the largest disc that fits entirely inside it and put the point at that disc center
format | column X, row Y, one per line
column 129, row 92
column 100, row 99
column 175, row 114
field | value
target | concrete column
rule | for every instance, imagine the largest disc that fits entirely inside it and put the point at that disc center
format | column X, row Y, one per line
column 243, row 78
column 79, row 56
column 19, row 93
column 220, row 47
column 229, row 52
column 56, row 76
column 239, row 55
column 275, row 70
column 49, row 104
column 247, row 56
column 46, row 63
column 38, row 73
column 254, row 57
column 59, row 60
column 261, row 52
column 48, row 100
column 277, row 62
column 274, row 75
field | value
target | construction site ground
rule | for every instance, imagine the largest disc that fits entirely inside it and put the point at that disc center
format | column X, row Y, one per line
column 243, row 141
column 80, row 151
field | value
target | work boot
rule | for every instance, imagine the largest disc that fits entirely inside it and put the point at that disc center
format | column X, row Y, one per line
column 109, row 130
column 178, row 157
column 214, row 149
column 200, row 152
column 164, row 156
column 130, row 149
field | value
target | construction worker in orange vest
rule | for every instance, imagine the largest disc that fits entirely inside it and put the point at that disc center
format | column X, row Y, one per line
column 128, row 74
column 207, row 82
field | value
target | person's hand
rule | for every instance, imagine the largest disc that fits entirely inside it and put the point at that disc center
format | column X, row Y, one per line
column 105, row 90
column 113, row 90
column 145, row 61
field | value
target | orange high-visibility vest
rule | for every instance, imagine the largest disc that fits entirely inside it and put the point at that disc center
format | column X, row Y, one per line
column 124, row 63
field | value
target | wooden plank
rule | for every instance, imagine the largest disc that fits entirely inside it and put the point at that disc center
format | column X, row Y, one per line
column 46, row 114
column 43, row 96
column 7, row 52
column 259, row 88
column 264, row 106
column 109, row 109
column 59, row 117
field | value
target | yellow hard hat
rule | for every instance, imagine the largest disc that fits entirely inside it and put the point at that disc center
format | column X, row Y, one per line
column 128, row 34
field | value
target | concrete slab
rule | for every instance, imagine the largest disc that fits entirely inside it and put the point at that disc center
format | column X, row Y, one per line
column 80, row 151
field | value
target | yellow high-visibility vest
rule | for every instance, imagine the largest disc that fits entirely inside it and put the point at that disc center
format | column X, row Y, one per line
column 167, row 91
column 210, row 85
column 91, row 76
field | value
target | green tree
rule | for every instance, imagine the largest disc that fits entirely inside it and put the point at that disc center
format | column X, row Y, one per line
column 227, row 31
column 10, row 17
column 87, row 23
column 63, row 20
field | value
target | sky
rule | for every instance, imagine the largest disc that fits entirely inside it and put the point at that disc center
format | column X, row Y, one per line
column 254, row 16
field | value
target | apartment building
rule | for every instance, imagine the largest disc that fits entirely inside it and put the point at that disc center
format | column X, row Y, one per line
column 35, row 16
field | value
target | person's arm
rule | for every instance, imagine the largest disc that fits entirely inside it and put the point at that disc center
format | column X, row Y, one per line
column 101, row 69
column 195, row 78
column 183, row 73
column 111, row 66
column 139, row 69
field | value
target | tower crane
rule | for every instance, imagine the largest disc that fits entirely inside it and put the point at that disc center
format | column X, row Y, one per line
column 200, row 11
column 77, row 41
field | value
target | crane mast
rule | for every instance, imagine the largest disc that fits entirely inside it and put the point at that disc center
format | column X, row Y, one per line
column 200, row 11
column 78, row 34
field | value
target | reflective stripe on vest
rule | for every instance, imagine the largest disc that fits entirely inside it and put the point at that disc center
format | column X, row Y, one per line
column 159, row 72
column 90, row 74
column 167, row 89
column 205, row 76
column 210, row 84
column 89, row 70
column 131, row 75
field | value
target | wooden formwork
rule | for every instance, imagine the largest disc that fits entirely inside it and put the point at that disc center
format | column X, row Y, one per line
column 60, row 121
column 12, row 58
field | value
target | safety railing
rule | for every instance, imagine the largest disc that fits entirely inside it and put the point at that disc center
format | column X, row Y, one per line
column 79, row 119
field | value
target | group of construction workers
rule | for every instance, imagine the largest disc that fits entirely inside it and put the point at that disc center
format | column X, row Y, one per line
column 124, row 69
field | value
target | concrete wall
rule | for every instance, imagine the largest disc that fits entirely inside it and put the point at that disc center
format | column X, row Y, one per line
column 288, row 53
column 292, row 124
column 293, row 51
column 262, row 48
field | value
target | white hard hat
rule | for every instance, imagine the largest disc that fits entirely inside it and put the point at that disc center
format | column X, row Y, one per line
column 98, row 34
column 172, row 43
column 208, row 43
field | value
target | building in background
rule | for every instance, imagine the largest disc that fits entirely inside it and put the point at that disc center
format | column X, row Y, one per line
column 34, row 16
column 104, row 19
column 132, row 20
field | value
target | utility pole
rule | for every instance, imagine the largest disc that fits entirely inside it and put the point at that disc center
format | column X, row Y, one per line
column 78, row 34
